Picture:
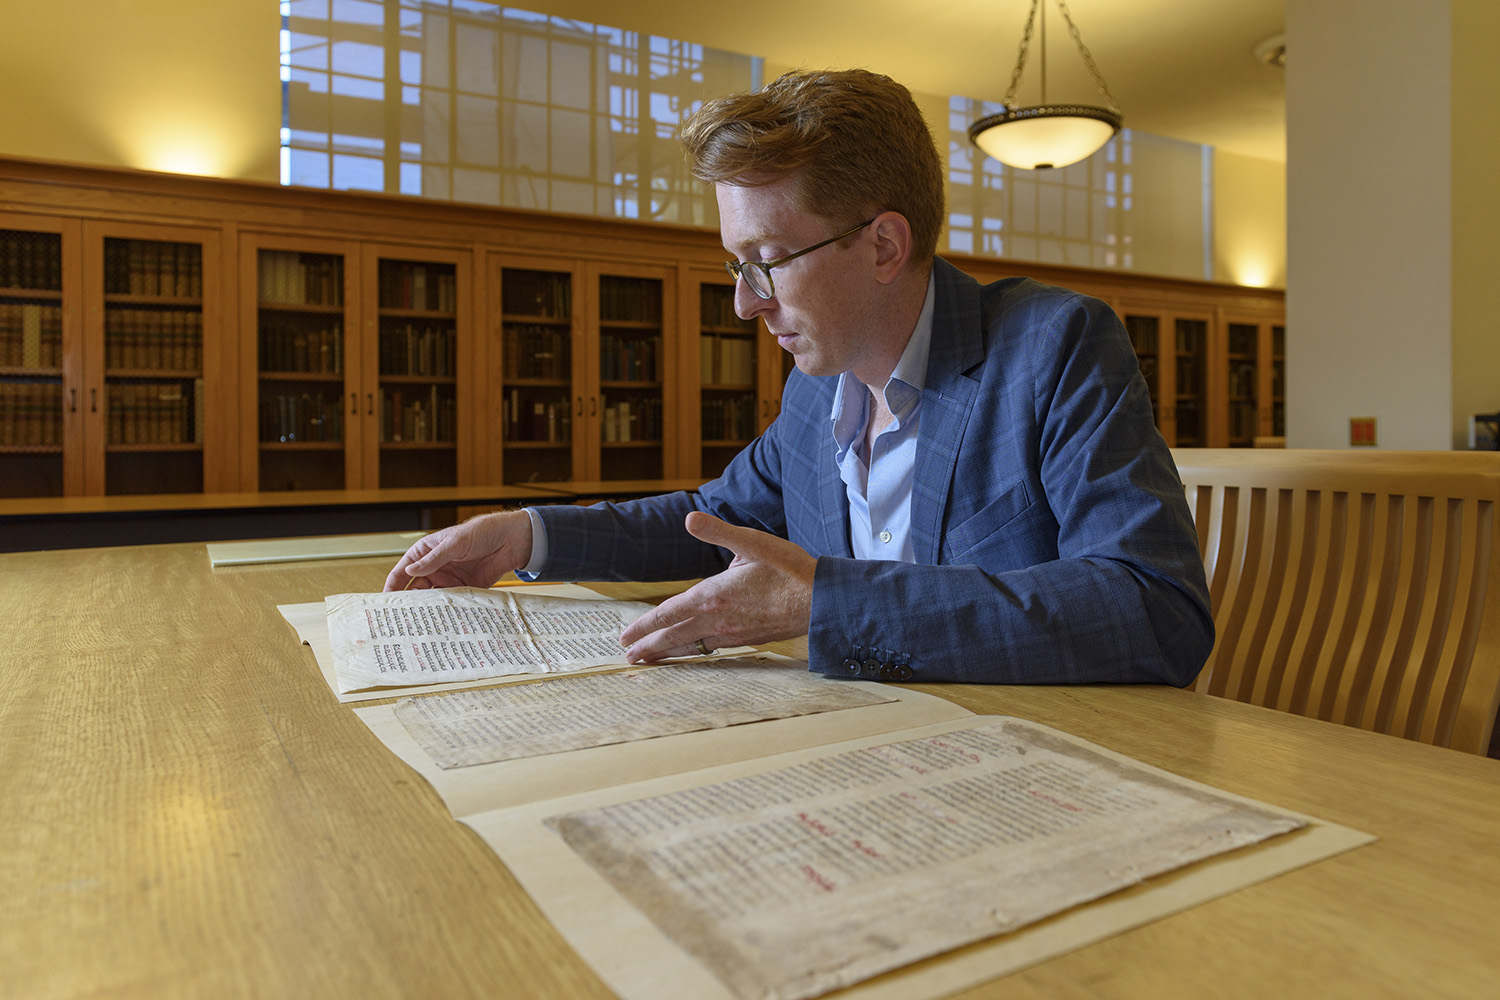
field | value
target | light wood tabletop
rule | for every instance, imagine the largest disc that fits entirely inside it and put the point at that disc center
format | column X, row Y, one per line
column 187, row 811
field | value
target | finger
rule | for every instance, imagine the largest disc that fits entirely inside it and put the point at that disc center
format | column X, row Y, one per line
column 651, row 650
column 710, row 529
column 664, row 632
column 745, row 543
column 660, row 617
column 400, row 576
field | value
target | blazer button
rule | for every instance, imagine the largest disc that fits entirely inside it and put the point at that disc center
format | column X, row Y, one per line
column 903, row 672
column 872, row 667
column 852, row 666
column 887, row 671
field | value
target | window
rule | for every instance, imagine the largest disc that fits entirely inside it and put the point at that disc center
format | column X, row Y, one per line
column 469, row 101
column 1140, row 203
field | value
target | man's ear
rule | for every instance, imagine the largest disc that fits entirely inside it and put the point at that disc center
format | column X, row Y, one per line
column 892, row 245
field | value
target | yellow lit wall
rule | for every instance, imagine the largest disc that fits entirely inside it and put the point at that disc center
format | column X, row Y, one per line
column 1476, row 210
column 1249, row 221
column 154, row 84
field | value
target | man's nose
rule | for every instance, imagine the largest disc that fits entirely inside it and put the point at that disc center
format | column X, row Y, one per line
column 748, row 305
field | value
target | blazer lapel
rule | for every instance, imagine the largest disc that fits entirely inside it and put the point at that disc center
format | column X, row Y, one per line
column 957, row 346
column 833, row 499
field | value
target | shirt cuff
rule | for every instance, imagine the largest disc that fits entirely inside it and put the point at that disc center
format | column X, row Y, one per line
column 538, row 547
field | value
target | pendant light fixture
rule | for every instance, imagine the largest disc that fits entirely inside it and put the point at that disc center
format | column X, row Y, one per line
column 1047, row 135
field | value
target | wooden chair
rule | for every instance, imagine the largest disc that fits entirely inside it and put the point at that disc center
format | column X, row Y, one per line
column 1356, row 587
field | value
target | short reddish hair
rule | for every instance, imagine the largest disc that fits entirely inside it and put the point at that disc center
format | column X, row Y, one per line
column 855, row 140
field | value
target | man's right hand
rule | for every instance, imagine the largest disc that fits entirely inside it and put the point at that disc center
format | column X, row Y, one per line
column 474, row 553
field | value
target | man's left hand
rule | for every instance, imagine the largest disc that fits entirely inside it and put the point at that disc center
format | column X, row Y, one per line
column 763, row 595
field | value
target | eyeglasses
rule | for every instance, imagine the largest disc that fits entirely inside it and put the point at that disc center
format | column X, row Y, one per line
column 757, row 273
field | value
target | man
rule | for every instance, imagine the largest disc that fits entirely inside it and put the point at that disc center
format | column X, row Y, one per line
column 964, row 483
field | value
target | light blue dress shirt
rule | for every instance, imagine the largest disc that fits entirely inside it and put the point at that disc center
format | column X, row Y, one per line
column 879, row 488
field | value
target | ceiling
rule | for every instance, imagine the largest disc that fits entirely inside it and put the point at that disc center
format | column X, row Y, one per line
column 1186, row 69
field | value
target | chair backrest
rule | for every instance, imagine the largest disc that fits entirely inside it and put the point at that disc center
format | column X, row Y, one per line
column 1359, row 587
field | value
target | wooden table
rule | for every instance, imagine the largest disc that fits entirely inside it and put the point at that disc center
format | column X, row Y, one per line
column 186, row 811
column 61, row 522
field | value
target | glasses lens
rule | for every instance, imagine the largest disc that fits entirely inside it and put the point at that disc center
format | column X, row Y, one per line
column 759, row 280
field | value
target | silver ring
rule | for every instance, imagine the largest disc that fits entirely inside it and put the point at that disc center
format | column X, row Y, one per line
column 704, row 650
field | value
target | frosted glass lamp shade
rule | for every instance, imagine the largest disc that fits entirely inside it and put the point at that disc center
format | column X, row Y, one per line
column 1053, row 135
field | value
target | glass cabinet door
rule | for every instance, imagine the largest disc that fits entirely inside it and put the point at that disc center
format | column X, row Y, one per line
column 1243, row 341
column 305, row 410
column 417, row 359
column 632, row 371
column 730, row 401
column 155, row 396
column 1278, row 381
column 1145, row 337
column 31, row 363
column 538, row 406
column 1173, row 351
column 1191, row 409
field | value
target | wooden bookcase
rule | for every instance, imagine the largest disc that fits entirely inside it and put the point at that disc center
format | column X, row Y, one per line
column 583, row 361
column 422, row 368
column 161, row 333
column 1174, row 351
column 740, row 373
column 358, row 362
column 1254, row 379
column 41, row 355
column 631, row 341
column 156, row 419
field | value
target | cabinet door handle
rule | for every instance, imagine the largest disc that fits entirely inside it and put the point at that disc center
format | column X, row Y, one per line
column 93, row 400
column 372, row 404
column 593, row 406
column 72, row 400
column 353, row 404
column 580, row 406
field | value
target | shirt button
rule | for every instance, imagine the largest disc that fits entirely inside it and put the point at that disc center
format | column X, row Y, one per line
column 885, row 536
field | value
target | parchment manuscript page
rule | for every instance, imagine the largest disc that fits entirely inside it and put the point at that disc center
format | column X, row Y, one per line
column 469, row 633
column 484, row 725
column 794, row 882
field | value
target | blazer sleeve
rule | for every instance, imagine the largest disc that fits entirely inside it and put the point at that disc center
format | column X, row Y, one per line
column 647, row 539
column 1068, row 553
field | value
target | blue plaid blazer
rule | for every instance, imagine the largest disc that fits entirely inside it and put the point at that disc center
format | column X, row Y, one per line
column 1053, row 539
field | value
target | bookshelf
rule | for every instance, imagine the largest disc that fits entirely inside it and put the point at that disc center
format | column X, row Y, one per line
column 1255, row 375
column 423, row 345
column 303, row 364
column 358, row 372
column 155, row 398
column 1174, row 354
column 630, row 319
column 161, row 333
column 731, row 401
column 32, row 413
column 149, row 396
column 538, row 369
column 584, row 364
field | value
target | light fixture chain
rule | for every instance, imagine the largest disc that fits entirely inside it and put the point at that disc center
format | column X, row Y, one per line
column 1015, row 74
column 1088, row 58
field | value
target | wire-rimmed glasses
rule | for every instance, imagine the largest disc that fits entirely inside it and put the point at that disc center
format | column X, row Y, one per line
column 757, row 273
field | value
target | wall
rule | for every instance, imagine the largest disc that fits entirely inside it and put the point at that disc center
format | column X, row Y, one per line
column 1369, row 240
column 154, row 84
column 1249, row 220
column 1476, row 88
